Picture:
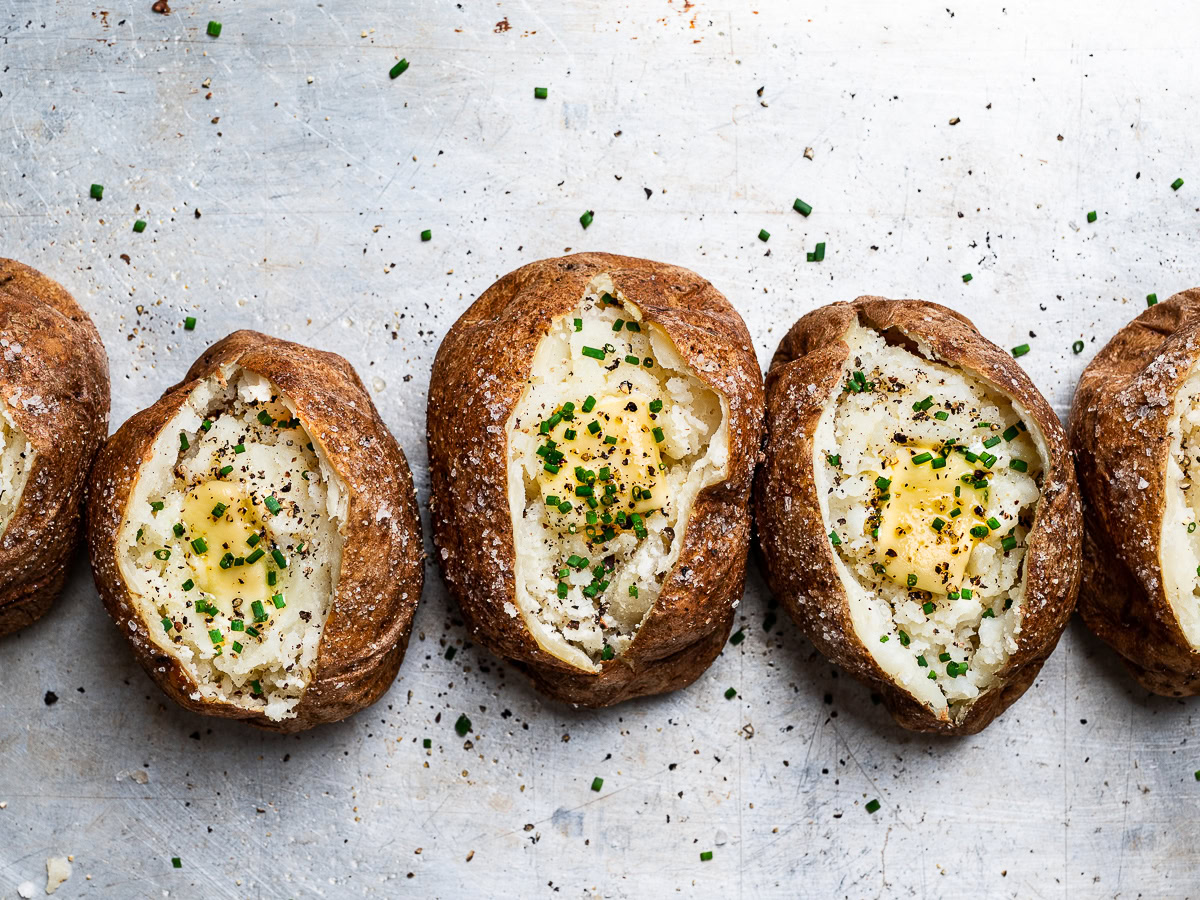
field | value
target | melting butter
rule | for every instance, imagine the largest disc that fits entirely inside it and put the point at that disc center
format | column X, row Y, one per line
column 227, row 533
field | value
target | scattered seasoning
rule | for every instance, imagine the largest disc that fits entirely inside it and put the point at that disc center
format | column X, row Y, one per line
column 1151, row 299
column 189, row 324
column 967, row 277
column 705, row 855
column 764, row 235
column 97, row 192
column 398, row 69
column 1176, row 184
column 139, row 226
column 597, row 783
column 214, row 29
column 730, row 693
column 463, row 725
column 540, row 93
column 801, row 207
column 873, row 806
column 1020, row 350
column 586, row 219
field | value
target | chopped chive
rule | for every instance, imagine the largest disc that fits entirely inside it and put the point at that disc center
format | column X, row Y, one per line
column 156, row 505
column 816, row 255
column 1008, row 542
column 97, row 192
column 633, row 591
column 586, row 219
column 834, row 459
column 280, row 559
column 166, row 624
column 178, row 529
column 256, row 687
column 967, row 277
column 427, row 235
column 278, row 601
column 540, row 93
column 225, row 470
column 189, row 584
column 237, row 625
column 272, row 504
column 988, row 613
column 993, row 523
column 593, row 353
column 966, row 593
column 1091, row 217
column 607, row 653
column 921, row 458
column 941, row 415
column 658, row 435
column 398, row 69
column 939, row 462
column 764, row 235
column 979, row 531
column 255, row 556
column 883, row 639
column 1151, row 299
column 164, row 555
column 737, row 637
column 200, row 545
column 730, row 693
column 597, row 783
column 214, row 29
column 253, row 632
column 801, row 207
column 938, row 524
column 462, row 725
column 1176, row 184
column 921, row 661
column 992, row 441
column 873, row 806
column 905, row 640
column 655, row 406
column 705, row 855
column 427, row 743
column 1077, row 346
column 632, row 360
column 834, row 539
column 883, row 483
column 1020, row 350
column 1018, row 465
column 260, row 614
column 176, row 862
column 189, row 323
column 215, row 635
column 927, row 607
column 139, row 226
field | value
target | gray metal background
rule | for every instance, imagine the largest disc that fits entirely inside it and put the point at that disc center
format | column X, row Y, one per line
column 298, row 213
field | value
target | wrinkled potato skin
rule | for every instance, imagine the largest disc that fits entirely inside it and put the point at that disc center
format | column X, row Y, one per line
column 382, row 571
column 62, row 363
column 798, row 557
column 1119, row 422
column 478, row 378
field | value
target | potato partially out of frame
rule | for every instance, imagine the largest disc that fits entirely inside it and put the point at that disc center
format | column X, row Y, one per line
column 1135, row 430
column 917, row 508
column 53, row 418
column 594, row 423
column 255, row 536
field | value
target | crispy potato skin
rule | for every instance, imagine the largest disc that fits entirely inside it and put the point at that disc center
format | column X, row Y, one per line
column 382, row 570
column 805, row 373
column 1119, row 422
column 61, row 366
column 478, row 378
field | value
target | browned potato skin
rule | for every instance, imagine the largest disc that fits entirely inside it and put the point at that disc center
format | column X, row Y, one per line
column 62, row 361
column 382, row 571
column 1118, row 426
column 478, row 378
column 798, row 556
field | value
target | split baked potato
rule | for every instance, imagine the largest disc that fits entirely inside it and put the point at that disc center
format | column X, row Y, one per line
column 54, row 399
column 917, row 509
column 255, row 536
column 1135, row 430
column 594, row 424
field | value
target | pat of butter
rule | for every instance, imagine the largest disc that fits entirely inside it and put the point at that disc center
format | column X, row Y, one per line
column 908, row 543
column 634, row 463
column 228, row 533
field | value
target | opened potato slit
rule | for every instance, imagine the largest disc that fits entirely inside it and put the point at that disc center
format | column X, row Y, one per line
column 232, row 541
column 609, row 444
column 1180, row 534
column 930, row 482
column 16, row 460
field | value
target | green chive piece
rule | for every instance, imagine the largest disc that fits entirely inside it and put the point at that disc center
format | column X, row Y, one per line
column 764, row 235
column 214, row 29
column 237, row 625
column 873, row 806
column 189, row 323
column 97, row 192
column 1020, row 350
column 927, row 607
column 705, row 855
column 260, row 614
column 164, row 555
column 1018, row 465
column 176, row 862
column 801, row 207
column 608, row 653
column 225, row 470
column 883, row 639
column 462, row 725
column 921, row 661
column 166, row 624
column 1176, row 184
column 189, row 584
column 737, row 637
column 427, row 743
column 730, row 693
column 1092, row 216
column 817, row 254
column 215, row 636
column 540, row 93
column 658, row 435
column 255, row 556
column 272, row 504
column 139, row 226
column 939, row 462
column 398, row 69
column 200, row 545
column 256, row 686
column 834, row 539
column 834, row 459
column 921, row 458
column 597, row 783
column 586, row 219
column 278, row 601
column 1151, row 299
column 967, row 277
column 593, row 353
column 1077, row 346
column 178, row 529
column 280, row 559
column 1008, row 542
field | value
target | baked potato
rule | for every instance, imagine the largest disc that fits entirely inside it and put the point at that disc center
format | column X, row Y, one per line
column 53, row 417
column 255, row 536
column 917, row 509
column 593, row 426
column 1135, row 430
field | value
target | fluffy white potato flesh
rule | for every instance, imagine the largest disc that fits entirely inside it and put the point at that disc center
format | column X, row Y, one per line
column 16, row 459
column 231, row 544
column 611, row 441
column 1179, row 546
column 928, row 480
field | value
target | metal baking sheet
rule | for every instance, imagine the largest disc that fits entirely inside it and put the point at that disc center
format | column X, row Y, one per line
column 286, row 179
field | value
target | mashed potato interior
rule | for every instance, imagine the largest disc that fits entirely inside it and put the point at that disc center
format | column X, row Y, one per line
column 608, row 447
column 16, row 459
column 231, row 543
column 1180, row 543
column 929, row 481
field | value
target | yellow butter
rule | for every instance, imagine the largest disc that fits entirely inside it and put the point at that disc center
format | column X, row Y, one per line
column 634, row 461
column 908, row 544
column 228, row 533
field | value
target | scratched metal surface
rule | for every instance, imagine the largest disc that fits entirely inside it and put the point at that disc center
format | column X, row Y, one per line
column 286, row 178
